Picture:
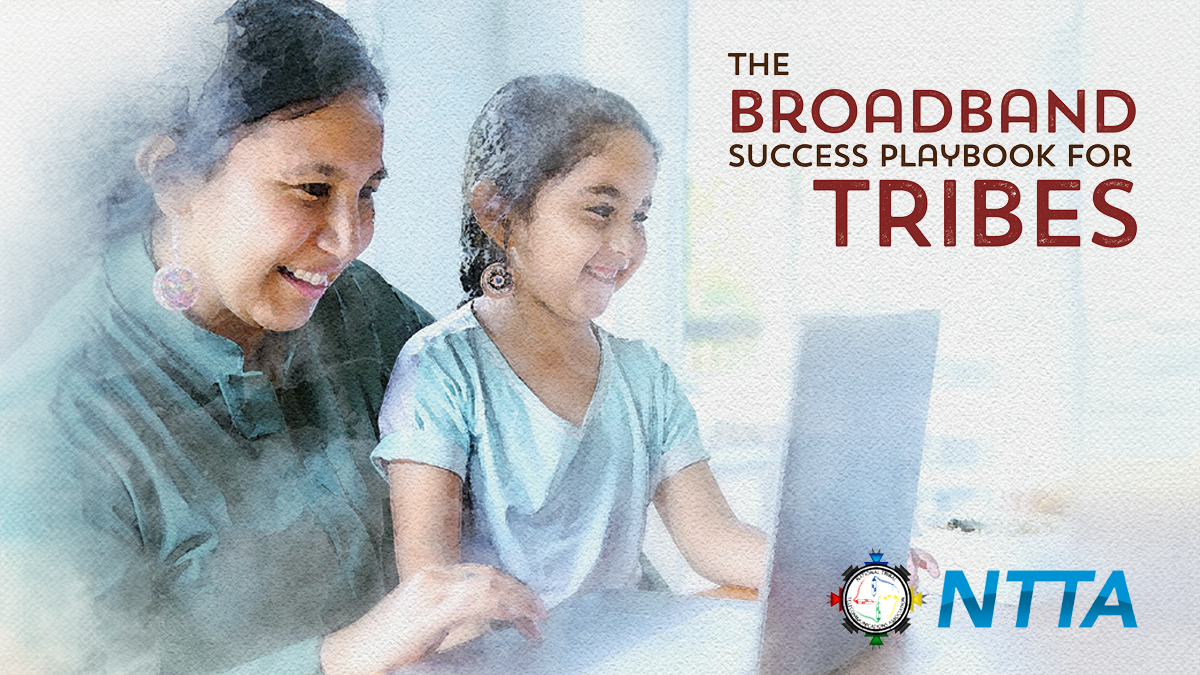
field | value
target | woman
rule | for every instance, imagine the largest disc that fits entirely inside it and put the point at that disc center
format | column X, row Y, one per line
column 185, row 483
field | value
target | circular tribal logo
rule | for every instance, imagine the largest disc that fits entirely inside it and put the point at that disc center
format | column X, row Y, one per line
column 875, row 599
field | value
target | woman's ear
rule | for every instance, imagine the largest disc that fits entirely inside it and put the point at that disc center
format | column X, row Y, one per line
column 489, row 207
column 169, row 191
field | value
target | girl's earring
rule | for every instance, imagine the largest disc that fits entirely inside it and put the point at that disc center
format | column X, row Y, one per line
column 176, row 286
column 496, row 281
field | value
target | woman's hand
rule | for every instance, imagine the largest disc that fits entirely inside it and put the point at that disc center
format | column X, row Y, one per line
column 918, row 559
column 417, row 616
column 465, row 632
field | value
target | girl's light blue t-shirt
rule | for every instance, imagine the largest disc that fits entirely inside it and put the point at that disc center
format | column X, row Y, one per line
column 560, row 507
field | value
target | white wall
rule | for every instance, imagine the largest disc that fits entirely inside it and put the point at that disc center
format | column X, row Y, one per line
column 443, row 63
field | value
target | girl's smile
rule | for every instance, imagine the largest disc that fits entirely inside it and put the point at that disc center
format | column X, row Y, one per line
column 606, row 274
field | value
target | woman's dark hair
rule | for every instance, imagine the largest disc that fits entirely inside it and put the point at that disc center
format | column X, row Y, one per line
column 533, row 129
column 279, row 55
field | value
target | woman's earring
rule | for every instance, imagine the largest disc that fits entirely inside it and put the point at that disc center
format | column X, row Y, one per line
column 496, row 281
column 176, row 286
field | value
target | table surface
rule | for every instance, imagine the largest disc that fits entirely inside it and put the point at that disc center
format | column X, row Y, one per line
column 724, row 638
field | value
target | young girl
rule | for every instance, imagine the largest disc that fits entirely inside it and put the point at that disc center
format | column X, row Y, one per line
column 554, row 433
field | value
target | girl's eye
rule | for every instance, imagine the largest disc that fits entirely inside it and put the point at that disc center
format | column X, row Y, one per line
column 314, row 189
column 367, row 192
column 602, row 210
column 640, row 217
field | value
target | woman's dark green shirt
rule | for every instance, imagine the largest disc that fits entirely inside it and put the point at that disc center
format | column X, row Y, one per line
column 162, row 510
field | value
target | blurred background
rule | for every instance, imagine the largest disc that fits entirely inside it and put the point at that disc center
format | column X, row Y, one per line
column 1064, row 424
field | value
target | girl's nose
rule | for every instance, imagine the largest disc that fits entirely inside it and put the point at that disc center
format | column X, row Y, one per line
column 625, row 238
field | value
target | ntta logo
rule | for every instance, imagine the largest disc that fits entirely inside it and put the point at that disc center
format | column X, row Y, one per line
column 955, row 583
column 876, row 598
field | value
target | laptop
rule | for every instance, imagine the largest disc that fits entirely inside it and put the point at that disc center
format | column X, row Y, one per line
column 849, row 480
column 848, row 487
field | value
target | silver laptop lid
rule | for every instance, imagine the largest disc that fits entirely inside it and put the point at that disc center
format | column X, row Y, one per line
column 849, row 483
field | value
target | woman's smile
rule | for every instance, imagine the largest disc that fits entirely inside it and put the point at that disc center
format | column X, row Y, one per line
column 311, row 285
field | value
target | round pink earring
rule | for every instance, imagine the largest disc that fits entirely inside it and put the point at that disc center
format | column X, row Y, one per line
column 176, row 286
column 496, row 281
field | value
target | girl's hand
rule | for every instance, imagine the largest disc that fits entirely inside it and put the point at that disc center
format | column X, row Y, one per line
column 715, row 543
column 917, row 559
column 417, row 616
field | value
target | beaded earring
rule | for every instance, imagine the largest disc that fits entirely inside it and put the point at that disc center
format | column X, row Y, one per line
column 496, row 281
column 176, row 286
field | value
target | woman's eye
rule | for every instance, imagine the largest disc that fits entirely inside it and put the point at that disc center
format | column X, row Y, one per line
column 640, row 217
column 367, row 192
column 602, row 210
column 314, row 189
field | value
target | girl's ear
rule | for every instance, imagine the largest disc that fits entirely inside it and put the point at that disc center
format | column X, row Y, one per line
column 170, row 193
column 490, row 208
